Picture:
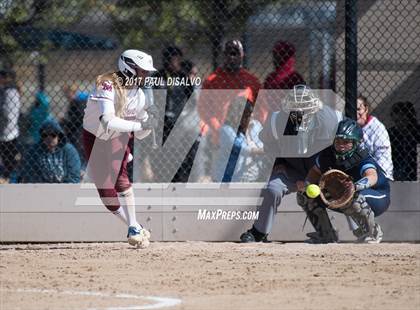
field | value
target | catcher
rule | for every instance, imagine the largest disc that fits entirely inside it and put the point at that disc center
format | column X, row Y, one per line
column 351, row 182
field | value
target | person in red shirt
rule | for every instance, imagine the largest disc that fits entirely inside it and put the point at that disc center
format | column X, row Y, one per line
column 213, row 106
column 284, row 76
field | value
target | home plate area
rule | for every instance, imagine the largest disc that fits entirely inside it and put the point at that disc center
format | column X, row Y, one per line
column 97, row 299
column 204, row 275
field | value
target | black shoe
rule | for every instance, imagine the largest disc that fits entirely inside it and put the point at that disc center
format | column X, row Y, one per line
column 248, row 237
column 253, row 235
column 313, row 235
column 315, row 238
column 265, row 240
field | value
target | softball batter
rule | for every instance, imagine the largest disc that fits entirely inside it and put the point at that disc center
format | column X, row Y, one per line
column 115, row 111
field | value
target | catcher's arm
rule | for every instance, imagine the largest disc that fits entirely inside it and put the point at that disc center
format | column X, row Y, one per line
column 369, row 179
column 313, row 175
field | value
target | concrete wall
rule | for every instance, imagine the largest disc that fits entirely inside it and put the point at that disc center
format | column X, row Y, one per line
column 58, row 212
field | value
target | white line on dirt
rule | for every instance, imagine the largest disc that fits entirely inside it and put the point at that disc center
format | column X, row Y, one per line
column 160, row 302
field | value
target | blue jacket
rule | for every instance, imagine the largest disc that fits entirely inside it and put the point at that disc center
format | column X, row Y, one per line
column 60, row 166
column 39, row 113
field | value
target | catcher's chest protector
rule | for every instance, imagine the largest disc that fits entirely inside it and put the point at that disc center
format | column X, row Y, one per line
column 358, row 156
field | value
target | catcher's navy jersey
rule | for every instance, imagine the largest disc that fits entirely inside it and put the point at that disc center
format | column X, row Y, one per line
column 326, row 161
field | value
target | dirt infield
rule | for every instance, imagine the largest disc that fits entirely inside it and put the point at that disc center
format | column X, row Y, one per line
column 203, row 275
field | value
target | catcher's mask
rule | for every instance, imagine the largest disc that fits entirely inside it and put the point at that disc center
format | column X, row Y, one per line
column 301, row 104
column 348, row 129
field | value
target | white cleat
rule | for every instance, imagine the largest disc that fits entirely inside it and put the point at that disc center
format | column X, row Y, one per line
column 138, row 237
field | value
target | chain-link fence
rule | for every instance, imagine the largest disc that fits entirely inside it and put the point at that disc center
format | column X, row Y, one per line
column 53, row 51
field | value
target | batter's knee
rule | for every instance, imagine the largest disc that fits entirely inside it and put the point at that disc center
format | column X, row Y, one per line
column 109, row 198
column 123, row 183
column 122, row 187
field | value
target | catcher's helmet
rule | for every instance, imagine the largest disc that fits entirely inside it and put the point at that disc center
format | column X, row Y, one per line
column 301, row 104
column 132, row 59
column 348, row 129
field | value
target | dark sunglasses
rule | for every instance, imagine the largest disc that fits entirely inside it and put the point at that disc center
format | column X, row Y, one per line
column 49, row 134
column 232, row 53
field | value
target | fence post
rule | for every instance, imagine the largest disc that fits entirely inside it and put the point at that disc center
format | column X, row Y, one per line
column 41, row 76
column 351, row 58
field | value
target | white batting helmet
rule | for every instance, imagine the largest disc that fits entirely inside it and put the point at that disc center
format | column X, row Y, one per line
column 132, row 59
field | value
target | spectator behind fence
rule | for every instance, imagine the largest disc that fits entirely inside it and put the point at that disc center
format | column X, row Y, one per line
column 375, row 136
column 189, row 71
column 40, row 111
column 9, row 131
column 213, row 107
column 172, row 57
column 73, row 120
column 52, row 159
column 405, row 136
column 234, row 148
column 284, row 75
column 188, row 126
column 256, row 163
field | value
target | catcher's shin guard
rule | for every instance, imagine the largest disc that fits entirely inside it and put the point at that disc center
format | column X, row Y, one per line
column 363, row 215
column 318, row 216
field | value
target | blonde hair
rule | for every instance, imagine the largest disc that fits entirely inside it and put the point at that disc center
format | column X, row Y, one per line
column 120, row 91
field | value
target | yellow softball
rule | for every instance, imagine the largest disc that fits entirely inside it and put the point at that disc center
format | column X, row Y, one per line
column 312, row 191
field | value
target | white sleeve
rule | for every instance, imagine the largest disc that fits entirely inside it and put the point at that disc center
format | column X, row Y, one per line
column 106, row 106
column 122, row 125
column 12, row 105
column 339, row 115
column 104, row 91
column 382, row 149
column 104, row 94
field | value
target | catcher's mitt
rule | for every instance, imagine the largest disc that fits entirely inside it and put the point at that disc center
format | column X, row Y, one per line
column 337, row 189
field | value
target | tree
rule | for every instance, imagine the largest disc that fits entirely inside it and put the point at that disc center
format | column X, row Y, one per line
column 16, row 16
column 183, row 22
